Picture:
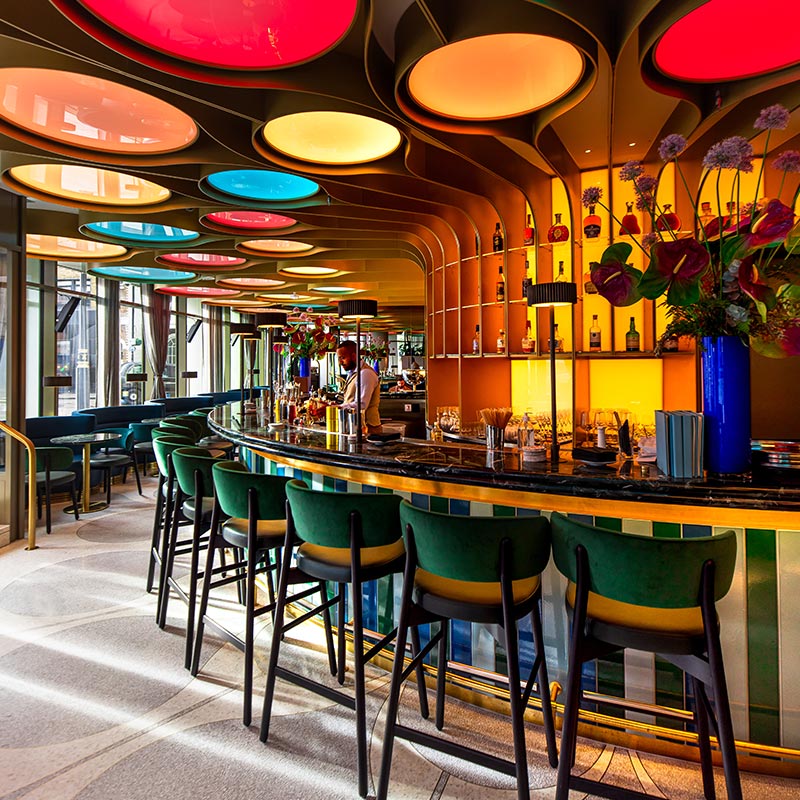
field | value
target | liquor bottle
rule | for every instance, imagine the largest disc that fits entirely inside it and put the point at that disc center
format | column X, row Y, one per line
column 669, row 220
column 558, row 232
column 527, row 342
column 632, row 338
column 731, row 220
column 527, row 233
column 595, row 334
column 476, row 341
column 526, row 281
column 558, row 339
column 706, row 214
column 670, row 344
column 588, row 285
column 591, row 224
column 500, row 286
column 560, row 276
column 630, row 222
column 501, row 341
column 497, row 239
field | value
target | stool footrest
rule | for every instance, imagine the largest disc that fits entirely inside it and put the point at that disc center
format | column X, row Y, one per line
column 230, row 638
column 600, row 789
column 458, row 750
column 318, row 688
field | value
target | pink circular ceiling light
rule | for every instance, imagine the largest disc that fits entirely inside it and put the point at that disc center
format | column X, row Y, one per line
column 250, row 220
column 257, row 34
column 202, row 260
column 724, row 40
column 198, row 291
column 91, row 113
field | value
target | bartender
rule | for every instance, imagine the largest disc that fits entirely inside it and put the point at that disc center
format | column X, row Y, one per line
column 370, row 386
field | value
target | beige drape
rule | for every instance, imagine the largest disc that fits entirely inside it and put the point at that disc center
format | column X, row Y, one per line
column 157, row 329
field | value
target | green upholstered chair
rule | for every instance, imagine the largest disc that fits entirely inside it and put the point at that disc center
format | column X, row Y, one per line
column 194, row 500
column 173, row 433
column 255, row 505
column 656, row 595
column 346, row 538
column 54, row 470
column 187, row 427
column 478, row 569
column 116, row 455
column 143, row 442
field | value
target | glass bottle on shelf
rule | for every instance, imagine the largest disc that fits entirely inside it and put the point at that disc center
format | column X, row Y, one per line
column 588, row 285
column 632, row 338
column 476, row 341
column 731, row 217
column 591, row 224
column 497, row 239
column 670, row 344
column 558, row 232
column 669, row 220
column 559, row 340
column 527, row 233
column 526, row 280
column 595, row 335
column 560, row 276
column 500, row 286
column 630, row 222
column 706, row 214
column 501, row 341
column 527, row 342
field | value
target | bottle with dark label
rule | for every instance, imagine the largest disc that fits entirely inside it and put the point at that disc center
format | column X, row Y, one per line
column 500, row 286
column 632, row 338
column 591, row 224
column 595, row 334
column 497, row 239
column 560, row 276
column 527, row 342
column 526, row 280
column 527, row 233
column 558, row 232
column 476, row 341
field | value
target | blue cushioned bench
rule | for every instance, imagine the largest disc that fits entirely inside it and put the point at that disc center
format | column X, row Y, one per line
column 119, row 416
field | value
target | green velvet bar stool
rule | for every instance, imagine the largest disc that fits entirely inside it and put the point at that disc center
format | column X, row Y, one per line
column 173, row 432
column 190, row 428
column 346, row 538
column 654, row 595
column 117, row 455
column 195, row 500
column 477, row 569
column 142, row 443
column 256, row 507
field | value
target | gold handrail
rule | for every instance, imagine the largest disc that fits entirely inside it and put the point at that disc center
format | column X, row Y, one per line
column 29, row 446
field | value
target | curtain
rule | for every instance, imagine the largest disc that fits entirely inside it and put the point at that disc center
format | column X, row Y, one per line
column 158, row 314
column 111, row 341
column 216, row 359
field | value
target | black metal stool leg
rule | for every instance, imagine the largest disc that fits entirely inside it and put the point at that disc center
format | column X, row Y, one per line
column 544, row 686
column 340, row 633
column 441, row 673
column 703, row 743
column 158, row 527
column 201, row 612
column 515, row 700
column 360, row 690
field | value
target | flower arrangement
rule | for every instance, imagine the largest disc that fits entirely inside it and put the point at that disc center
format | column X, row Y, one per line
column 307, row 336
column 734, row 273
column 373, row 349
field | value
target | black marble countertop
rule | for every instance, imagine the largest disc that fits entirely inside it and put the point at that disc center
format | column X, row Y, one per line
column 470, row 464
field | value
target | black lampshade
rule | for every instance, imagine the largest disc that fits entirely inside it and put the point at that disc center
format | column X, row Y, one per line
column 57, row 380
column 242, row 328
column 561, row 293
column 270, row 319
column 189, row 374
column 358, row 309
column 136, row 377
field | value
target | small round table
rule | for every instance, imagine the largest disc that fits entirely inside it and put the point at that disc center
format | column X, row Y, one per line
column 87, row 440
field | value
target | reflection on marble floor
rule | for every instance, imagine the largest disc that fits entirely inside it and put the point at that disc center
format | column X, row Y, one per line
column 95, row 702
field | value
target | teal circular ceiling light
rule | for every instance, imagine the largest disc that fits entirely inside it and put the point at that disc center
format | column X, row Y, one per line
column 144, row 274
column 262, row 185
column 140, row 232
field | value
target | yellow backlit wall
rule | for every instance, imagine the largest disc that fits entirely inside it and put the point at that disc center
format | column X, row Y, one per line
column 629, row 385
column 530, row 385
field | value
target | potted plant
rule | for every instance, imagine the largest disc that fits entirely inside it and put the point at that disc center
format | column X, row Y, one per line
column 307, row 337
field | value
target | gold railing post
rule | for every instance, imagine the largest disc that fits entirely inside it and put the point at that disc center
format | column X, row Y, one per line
column 29, row 446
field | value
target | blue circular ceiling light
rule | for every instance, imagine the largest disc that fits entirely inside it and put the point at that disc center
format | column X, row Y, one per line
column 144, row 274
column 146, row 232
column 261, row 184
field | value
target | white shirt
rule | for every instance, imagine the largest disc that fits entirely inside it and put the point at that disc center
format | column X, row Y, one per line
column 370, row 394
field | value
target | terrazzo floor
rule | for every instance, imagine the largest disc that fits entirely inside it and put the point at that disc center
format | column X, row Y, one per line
column 95, row 703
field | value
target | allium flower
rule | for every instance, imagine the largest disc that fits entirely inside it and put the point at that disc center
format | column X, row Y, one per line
column 732, row 153
column 671, row 146
column 772, row 118
column 649, row 239
column 631, row 170
column 591, row 196
column 787, row 161
column 646, row 183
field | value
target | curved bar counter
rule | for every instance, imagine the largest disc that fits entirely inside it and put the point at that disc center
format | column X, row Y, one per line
column 760, row 626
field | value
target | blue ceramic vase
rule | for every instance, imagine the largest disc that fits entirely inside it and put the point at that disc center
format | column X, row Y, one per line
column 303, row 367
column 726, row 404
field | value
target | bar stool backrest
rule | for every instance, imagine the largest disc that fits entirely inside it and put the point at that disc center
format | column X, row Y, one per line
column 125, row 442
column 53, row 458
column 142, row 431
column 323, row 518
column 201, row 412
column 643, row 570
column 186, row 461
column 163, row 448
column 233, row 482
column 191, row 428
column 468, row 548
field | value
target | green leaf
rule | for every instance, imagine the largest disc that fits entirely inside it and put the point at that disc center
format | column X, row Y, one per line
column 617, row 252
column 792, row 241
column 683, row 294
column 767, row 348
column 732, row 248
column 654, row 282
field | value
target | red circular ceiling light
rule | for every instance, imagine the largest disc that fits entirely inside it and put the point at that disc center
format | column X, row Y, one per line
column 202, row 260
column 232, row 34
column 198, row 291
column 724, row 40
column 91, row 113
column 250, row 220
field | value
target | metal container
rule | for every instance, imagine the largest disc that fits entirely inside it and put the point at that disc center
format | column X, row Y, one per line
column 495, row 437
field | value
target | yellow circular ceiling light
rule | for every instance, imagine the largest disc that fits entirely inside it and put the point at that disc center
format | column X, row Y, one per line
column 89, row 185
column 495, row 77
column 250, row 284
column 68, row 249
column 331, row 137
column 334, row 290
column 294, row 297
column 308, row 271
column 281, row 246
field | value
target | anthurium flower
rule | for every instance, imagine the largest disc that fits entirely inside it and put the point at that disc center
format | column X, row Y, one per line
column 675, row 267
column 790, row 341
column 770, row 225
column 616, row 280
column 752, row 285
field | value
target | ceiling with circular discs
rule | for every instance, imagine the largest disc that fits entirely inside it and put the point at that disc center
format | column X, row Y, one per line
column 284, row 152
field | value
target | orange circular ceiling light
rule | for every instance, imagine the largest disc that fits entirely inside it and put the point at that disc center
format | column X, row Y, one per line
column 331, row 137
column 281, row 246
column 89, row 185
column 250, row 284
column 91, row 113
column 495, row 77
column 308, row 271
column 294, row 297
column 68, row 249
